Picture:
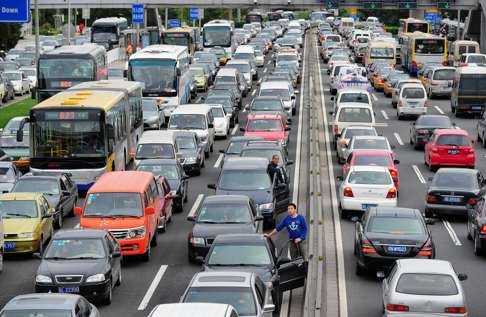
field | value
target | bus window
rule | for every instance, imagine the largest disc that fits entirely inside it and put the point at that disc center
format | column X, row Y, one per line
column 417, row 26
column 429, row 46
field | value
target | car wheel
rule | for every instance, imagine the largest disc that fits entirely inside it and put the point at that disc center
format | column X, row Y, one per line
column 185, row 197
column 478, row 250
column 428, row 213
column 59, row 220
column 469, row 236
column 206, row 154
column 294, row 111
column 119, row 279
column 109, row 295
column 191, row 256
column 154, row 241
column 163, row 227
column 344, row 213
column 399, row 115
column 148, row 254
column 360, row 270
column 411, row 140
column 203, row 162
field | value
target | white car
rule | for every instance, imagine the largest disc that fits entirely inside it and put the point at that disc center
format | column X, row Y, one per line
column 412, row 100
column 342, row 142
column 282, row 89
column 259, row 58
column 221, row 121
column 398, row 87
column 349, row 114
column 333, row 72
column 365, row 187
column 31, row 74
column 351, row 95
column 19, row 81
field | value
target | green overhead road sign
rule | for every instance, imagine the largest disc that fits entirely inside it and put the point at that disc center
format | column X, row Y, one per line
column 408, row 4
column 373, row 4
column 443, row 5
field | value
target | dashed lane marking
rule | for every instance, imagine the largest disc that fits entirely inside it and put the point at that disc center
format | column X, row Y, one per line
column 419, row 174
column 439, row 110
column 153, row 286
column 383, row 113
column 399, row 139
column 234, row 129
column 218, row 161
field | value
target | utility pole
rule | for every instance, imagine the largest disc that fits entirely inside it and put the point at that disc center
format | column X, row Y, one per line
column 37, row 44
column 458, row 31
column 138, row 33
column 69, row 22
column 166, row 17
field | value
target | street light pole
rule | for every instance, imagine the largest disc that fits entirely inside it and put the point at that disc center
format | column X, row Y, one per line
column 37, row 44
column 69, row 22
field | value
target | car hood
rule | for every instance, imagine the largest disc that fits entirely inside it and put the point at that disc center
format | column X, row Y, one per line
column 20, row 225
column 212, row 230
column 111, row 223
column 260, row 196
column 268, row 136
column 264, row 272
column 187, row 153
column 53, row 200
column 73, row 267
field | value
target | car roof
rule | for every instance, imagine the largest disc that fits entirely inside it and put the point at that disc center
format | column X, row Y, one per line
column 274, row 85
column 364, row 152
column 354, row 105
column 190, row 309
column 157, row 136
column 245, row 138
column 250, row 163
column 266, row 98
column 371, row 168
column 122, row 181
column 431, row 266
column 186, row 133
column 217, row 199
column 222, row 279
column 413, row 85
column 397, row 212
column 271, row 145
column 192, row 109
column 450, row 131
column 456, row 170
column 353, row 90
column 42, row 301
column 375, row 137
column 79, row 233
column 261, row 116
column 155, row 161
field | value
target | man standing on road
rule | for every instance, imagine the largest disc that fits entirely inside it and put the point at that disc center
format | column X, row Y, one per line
column 297, row 228
column 274, row 170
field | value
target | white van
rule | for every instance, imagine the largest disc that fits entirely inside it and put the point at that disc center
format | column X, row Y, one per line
column 282, row 89
column 457, row 48
column 156, row 144
column 193, row 309
column 247, row 52
column 197, row 118
column 412, row 100
column 346, row 24
column 349, row 114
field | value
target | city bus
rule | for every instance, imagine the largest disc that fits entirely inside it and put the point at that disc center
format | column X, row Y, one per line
column 420, row 48
column 254, row 16
column 219, row 33
column 81, row 132
column 183, row 36
column 134, row 90
column 67, row 66
column 164, row 70
column 380, row 50
column 411, row 25
column 107, row 31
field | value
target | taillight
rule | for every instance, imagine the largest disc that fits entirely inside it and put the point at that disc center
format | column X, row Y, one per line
column 400, row 103
column 434, row 149
column 426, row 103
column 343, row 142
column 462, row 64
column 431, row 199
column 426, row 249
column 483, row 229
column 367, row 247
column 336, row 130
column 395, row 307
column 348, row 192
column 455, row 310
column 472, row 201
column 392, row 193
column 393, row 173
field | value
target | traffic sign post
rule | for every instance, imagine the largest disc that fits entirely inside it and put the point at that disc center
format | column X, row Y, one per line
column 331, row 4
column 373, row 4
column 14, row 11
column 138, row 13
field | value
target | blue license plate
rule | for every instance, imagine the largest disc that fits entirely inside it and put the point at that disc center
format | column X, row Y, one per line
column 451, row 199
column 476, row 108
column 453, row 152
column 68, row 290
column 9, row 245
column 397, row 249
column 368, row 206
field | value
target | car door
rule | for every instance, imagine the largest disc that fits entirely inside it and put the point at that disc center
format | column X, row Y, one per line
column 165, row 187
column 281, row 193
column 292, row 273
column 115, row 261
column 482, row 125
column 474, row 216
column 45, row 222
column 72, row 189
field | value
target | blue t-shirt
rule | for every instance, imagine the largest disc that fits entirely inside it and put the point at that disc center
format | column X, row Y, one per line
column 297, row 227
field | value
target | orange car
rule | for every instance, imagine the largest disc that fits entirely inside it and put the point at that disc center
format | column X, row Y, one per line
column 129, row 205
column 380, row 78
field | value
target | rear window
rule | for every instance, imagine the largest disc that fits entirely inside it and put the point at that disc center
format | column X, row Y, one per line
column 478, row 59
column 429, row 46
column 444, row 74
column 378, row 160
column 369, row 178
column 413, row 93
column 370, row 144
column 455, row 180
column 395, row 225
column 358, row 132
column 427, row 284
column 472, row 84
column 453, row 140
column 157, row 150
column 355, row 115
column 354, row 97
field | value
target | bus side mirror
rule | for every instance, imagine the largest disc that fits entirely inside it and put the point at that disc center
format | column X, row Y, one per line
column 110, row 132
column 20, row 131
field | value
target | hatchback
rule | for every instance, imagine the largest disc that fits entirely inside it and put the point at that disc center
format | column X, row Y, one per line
column 449, row 147
column 271, row 127
column 438, row 81
column 412, row 101
column 343, row 141
column 349, row 114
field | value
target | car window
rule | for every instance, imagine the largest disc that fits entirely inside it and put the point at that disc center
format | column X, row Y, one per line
column 395, row 225
column 224, row 213
column 455, row 180
column 260, row 291
column 376, row 160
column 241, row 298
column 426, row 284
column 354, row 115
column 453, row 140
column 369, row 177
column 249, row 254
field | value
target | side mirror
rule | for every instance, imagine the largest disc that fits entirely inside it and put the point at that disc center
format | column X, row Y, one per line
column 210, row 126
column 430, row 178
column 259, row 218
column 149, row 210
column 292, row 97
column 78, row 211
column 116, row 253
column 20, row 135
column 332, row 98
column 339, row 178
column 462, row 276
column 392, row 147
column 37, row 255
column 191, row 218
column 283, row 260
column 171, row 196
column 269, row 308
column 242, row 129
column 290, row 162
column 396, row 161
column 65, row 193
column 287, row 128
column 184, row 177
column 212, row 186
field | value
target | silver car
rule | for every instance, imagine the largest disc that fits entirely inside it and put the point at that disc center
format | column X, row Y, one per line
column 343, row 140
column 153, row 117
column 416, row 287
column 9, row 175
column 49, row 305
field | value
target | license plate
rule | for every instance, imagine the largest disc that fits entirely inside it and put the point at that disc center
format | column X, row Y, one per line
column 74, row 289
column 367, row 206
column 397, row 249
column 476, row 108
column 452, row 199
column 9, row 245
column 453, row 151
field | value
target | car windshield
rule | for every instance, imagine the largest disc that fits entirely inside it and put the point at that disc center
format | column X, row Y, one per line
column 395, row 225
column 37, row 313
column 354, row 97
column 351, row 114
column 168, row 171
column 266, row 105
column 199, row 71
column 235, row 147
column 478, row 59
column 264, row 125
column 426, row 284
column 224, row 213
column 369, row 178
column 444, row 74
column 453, row 140
column 29, row 185
column 113, row 205
column 377, row 160
column 239, row 254
column 187, row 121
column 149, row 106
column 158, row 75
column 282, row 93
column 13, row 76
column 244, row 180
column 73, row 248
column 413, row 93
column 455, row 180
column 116, row 73
column 18, row 209
column 29, row 72
column 349, row 133
column 434, row 121
column 382, row 52
column 217, row 112
column 186, row 143
column 241, row 298
column 242, row 68
column 339, row 58
column 265, row 153
column 370, row 144
column 157, row 150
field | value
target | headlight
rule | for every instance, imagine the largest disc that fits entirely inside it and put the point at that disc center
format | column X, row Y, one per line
column 25, row 235
column 190, row 160
column 136, row 232
column 43, row 279
column 265, row 206
column 197, row 241
column 95, row 278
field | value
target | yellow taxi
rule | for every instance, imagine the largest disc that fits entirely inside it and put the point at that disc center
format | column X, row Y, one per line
column 388, row 88
column 27, row 222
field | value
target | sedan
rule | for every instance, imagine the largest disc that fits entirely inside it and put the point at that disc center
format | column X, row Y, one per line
column 9, row 175
column 153, row 117
column 228, row 106
column 221, row 214
column 236, row 144
column 449, row 147
column 85, row 262
column 190, row 151
column 368, row 143
column 451, row 190
column 342, row 141
column 384, row 235
column 421, row 286
column 20, row 82
column 424, row 127
column 365, row 187
column 221, row 121
column 476, row 225
column 271, row 127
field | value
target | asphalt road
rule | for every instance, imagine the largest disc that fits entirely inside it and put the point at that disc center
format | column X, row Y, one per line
column 363, row 294
column 168, row 273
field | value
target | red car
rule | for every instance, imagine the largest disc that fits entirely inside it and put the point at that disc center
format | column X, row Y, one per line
column 375, row 158
column 271, row 127
column 449, row 147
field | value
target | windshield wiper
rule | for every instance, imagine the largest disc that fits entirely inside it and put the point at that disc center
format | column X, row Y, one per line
column 121, row 216
column 18, row 215
column 237, row 264
column 209, row 221
column 56, row 258
column 84, row 258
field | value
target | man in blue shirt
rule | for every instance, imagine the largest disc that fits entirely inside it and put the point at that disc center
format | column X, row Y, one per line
column 297, row 230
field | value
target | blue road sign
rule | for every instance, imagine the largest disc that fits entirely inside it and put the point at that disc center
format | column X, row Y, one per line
column 138, row 13
column 174, row 23
column 14, row 11
column 432, row 17
column 194, row 14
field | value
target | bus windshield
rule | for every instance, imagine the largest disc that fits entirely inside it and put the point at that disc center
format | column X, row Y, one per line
column 173, row 38
column 217, row 36
column 382, row 52
column 417, row 26
column 159, row 75
column 65, row 72
column 104, row 33
column 67, row 134
column 429, row 46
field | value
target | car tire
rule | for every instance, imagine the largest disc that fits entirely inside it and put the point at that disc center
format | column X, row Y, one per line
column 59, row 221
column 478, row 250
column 191, row 257
column 483, row 141
column 428, row 213
column 161, row 229
column 148, row 254
column 154, row 241
column 344, row 213
column 206, row 154
column 360, row 271
column 108, row 297
column 469, row 236
column 41, row 245
column 119, row 279
column 294, row 111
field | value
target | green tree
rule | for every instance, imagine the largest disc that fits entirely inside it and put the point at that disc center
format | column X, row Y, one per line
column 10, row 35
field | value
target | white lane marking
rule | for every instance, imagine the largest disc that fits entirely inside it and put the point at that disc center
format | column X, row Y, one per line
column 383, row 113
column 374, row 97
column 152, row 287
column 218, row 161
column 235, row 129
column 381, row 124
column 458, row 127
column 439, row 110
column 451, row 232
column 260, row 81
column 194, row 208
column 399, row 139
column 253, row 93
column 419, row 174
column 265, row 70
column 246, row 106
column 343, row 302
column 268, row 63
column 77, row 226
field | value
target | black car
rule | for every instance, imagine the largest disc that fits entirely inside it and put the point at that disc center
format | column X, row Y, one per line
column 218, row 215
column 424, row 127
column 173, row 172
column 223, row 92
column 190, row 153
column 60, row 191
column 258, row 254
column 235, row 145
column 385, row 234
column 228, row 106
column 81, row 261
column 269, row 104
column 451, row 190
column 476, row 225
column 232, row 87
